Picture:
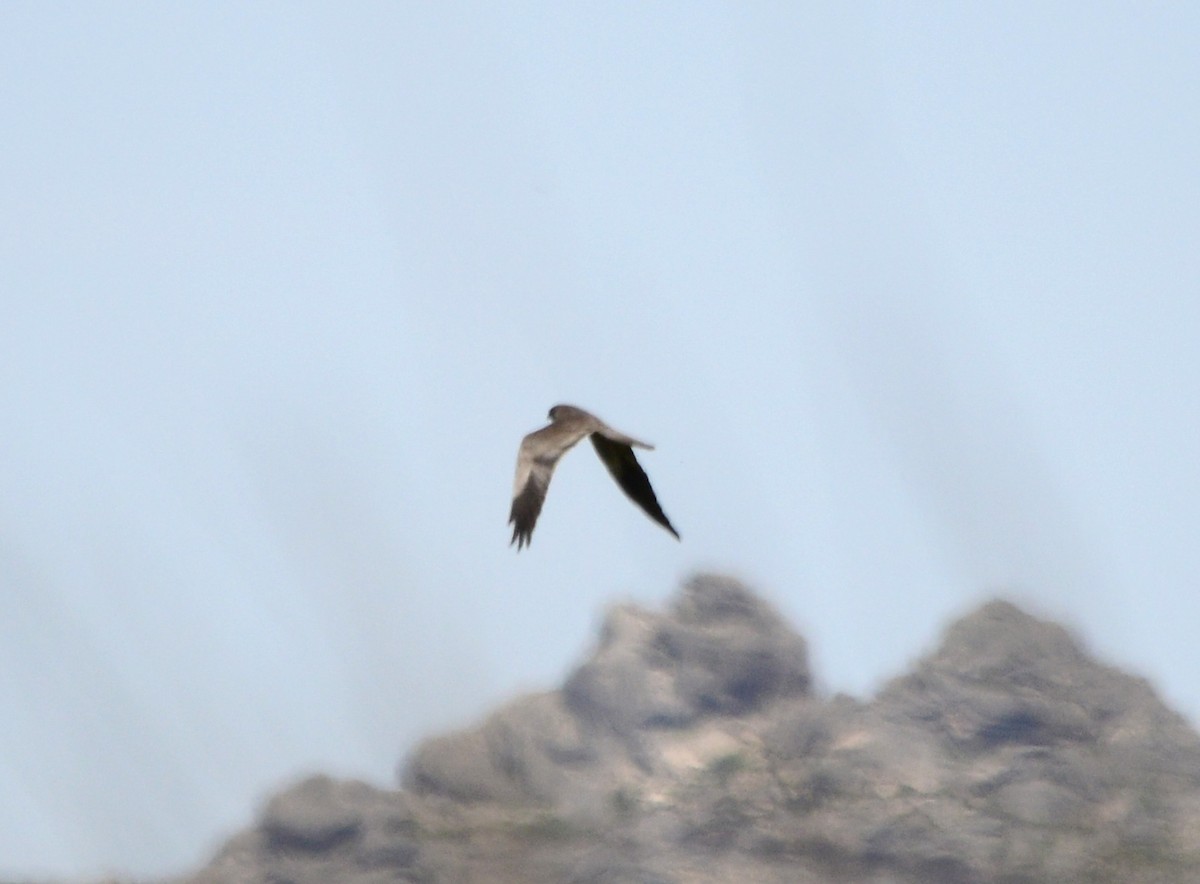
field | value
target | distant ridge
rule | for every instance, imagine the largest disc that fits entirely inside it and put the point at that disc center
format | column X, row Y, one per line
column 689, row 747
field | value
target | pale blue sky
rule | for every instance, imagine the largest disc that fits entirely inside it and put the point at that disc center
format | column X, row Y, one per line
column 907, row 295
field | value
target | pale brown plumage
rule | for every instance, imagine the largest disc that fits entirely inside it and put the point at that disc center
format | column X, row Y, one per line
column 542, row 449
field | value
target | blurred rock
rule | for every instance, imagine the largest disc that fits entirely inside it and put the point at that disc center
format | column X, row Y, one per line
column 313, row 816
column 719, row 649
column 688, row 747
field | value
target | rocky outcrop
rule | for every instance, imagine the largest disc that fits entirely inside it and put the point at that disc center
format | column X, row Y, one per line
column 689, row 747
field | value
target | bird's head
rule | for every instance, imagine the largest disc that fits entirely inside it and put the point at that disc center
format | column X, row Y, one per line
column 563, row 412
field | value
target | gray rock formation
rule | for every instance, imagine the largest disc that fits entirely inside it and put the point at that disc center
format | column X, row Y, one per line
column 689, row 747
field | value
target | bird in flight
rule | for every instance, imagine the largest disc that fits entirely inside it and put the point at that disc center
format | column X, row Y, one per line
column 540, row 452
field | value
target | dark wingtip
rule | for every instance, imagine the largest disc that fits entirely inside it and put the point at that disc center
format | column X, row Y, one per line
column 520, row 537
column 523, row 517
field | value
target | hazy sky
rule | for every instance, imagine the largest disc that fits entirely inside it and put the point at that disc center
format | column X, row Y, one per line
column 907, row 295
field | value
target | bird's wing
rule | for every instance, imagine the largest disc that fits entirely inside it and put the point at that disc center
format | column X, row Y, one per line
column 539, row 454
column 618, row 457
column 600, row 428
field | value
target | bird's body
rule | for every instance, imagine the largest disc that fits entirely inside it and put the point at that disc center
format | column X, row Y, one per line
column 542, row 449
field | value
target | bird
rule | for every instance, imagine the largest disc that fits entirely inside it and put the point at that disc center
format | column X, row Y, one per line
column 541, row 450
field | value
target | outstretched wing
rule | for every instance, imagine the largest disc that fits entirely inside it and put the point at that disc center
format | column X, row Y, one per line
column 621, row 463
column 539, row 454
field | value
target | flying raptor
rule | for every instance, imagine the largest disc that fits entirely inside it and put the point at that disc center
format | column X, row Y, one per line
column 540, row 453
